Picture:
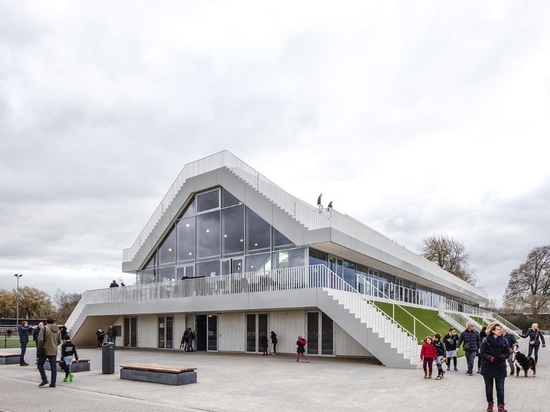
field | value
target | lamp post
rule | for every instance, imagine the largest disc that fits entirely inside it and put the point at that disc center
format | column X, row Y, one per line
column 17, row 299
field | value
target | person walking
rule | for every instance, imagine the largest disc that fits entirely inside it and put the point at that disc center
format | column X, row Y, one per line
column 512, row 343
column 535, row 339
column 264, row 344
column 111, row 334
column 427, row 356
column 440, row 352
column 320, row 203
column 450, row 340
column 100, row 334
column 49, row 339
column 300, row 349
column 68, row 352
column 482, row 334
column 494, row 352
column 273, row 343
column 471, row 341
column 35, row 332
column 23, row 332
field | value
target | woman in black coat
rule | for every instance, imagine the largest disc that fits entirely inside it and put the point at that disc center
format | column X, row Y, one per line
column 535, row 339
column 494, row 352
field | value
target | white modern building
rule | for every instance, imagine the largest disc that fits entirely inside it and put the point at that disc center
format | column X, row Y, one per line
column 233, row 256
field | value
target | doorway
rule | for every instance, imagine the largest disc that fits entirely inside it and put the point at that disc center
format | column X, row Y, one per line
column 207, row 333
column 256, row 328
column 130, row 333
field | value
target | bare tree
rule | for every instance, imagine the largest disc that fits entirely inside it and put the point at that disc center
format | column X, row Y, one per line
column 529, row 285
column 65, row 303
column 449, row 254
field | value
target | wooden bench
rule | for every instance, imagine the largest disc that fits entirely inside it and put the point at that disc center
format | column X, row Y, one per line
column 83, row 365
column 167, row 375
column 9, row 358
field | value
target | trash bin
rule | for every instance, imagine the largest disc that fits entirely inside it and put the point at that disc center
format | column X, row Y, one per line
column 108, row 358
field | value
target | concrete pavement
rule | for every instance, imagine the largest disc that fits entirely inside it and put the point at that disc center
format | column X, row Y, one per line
column 242, row 382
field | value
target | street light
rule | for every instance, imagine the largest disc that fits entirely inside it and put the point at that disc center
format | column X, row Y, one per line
column 17, row 299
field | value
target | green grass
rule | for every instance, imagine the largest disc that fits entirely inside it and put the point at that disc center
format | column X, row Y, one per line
column 429, row 317
column 13, row 343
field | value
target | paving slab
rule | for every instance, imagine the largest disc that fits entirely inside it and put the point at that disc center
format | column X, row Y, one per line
column 250, row 382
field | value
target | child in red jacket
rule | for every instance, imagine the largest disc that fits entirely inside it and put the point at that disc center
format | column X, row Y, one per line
column 427, row 355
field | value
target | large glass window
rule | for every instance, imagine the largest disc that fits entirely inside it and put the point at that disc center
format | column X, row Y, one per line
column 228, row 199
column 258, row 263
column 258, row 233
column 208, row 268
column 349, row 272
column 280, row 240
column 233, row 231
column 208, row 201
column 186, row 239
column 208, row 235
column 167, row 252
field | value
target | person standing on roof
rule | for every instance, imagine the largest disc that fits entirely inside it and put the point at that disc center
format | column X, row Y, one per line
column 320, row 203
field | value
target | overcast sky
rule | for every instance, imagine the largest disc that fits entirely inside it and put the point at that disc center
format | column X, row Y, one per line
column 416, row 118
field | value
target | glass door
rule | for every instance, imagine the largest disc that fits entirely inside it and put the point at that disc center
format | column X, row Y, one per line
column 320, row 334
column 212, row 326
column 231, row 266
column 256, row 328
column 130, row 333
column 165, row 332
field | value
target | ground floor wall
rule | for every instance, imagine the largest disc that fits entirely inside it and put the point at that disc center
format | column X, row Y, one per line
column 240, row 332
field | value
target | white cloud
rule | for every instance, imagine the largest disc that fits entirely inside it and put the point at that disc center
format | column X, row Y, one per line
column 416, row 118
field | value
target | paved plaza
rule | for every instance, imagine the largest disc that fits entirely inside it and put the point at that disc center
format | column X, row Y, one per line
column 242, row 382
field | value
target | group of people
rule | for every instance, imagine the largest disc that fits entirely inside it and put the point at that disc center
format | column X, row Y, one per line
column 187, row 340
column 266, row 349
column 111, row 336
column 320, row 204
column 48, row 337
column 493, row 346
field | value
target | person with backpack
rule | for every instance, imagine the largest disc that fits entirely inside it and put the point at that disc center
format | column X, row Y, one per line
column 300, row 349
column 68, row 352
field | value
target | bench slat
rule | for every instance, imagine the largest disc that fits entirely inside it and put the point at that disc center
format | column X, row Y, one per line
column 158, row 368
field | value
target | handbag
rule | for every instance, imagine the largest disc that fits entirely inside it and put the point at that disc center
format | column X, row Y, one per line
column 466, row 346
column 41, row 350
column 532, row 342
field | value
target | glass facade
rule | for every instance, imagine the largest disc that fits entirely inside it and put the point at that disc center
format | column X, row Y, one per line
column 217, row 234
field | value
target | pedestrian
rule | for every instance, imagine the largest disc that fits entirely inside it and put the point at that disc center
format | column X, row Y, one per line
column 111, row 334
column 35, row 332
column 440, row 358
column 470, row 338
column 450, row 340
column 535, row 339
column 273, row 343
column 494, row 352
column 320, row 203
column 185, row 339
column 23, row 332
column 482, row 334
column 427, row 355
column 49, row 339
column 300, row 349
column 512, row 344
column 68, row 352
column 191, row 339
column 264, row 344
column 100, row 334
column 113, row 284
column 329, row 207
column 122, row 284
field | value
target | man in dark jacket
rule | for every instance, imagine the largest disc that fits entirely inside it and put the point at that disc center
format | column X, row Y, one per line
column 472, row 343
column 23, row 331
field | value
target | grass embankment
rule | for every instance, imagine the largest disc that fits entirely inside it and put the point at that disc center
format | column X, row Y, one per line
column 430, row 318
